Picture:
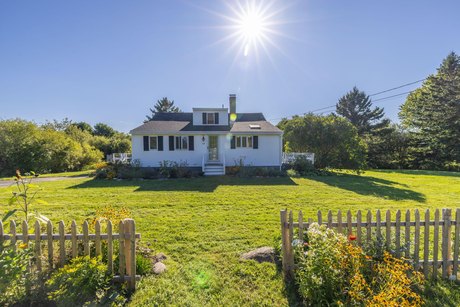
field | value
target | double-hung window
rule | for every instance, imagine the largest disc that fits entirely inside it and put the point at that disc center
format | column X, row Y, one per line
column 210, row 118
column 181, row 142
column 244, row 142
column 153, row 143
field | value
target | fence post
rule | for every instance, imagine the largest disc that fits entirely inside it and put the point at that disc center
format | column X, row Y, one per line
column 446, row 245
column 286, row 245
column 1, row 236
column 129, row 234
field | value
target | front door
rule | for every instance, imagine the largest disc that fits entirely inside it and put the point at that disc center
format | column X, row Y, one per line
column 213, row 148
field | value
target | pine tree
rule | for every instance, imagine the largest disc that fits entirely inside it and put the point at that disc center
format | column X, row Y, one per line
column 163, row 106
column 356, row 106
column 432, row 115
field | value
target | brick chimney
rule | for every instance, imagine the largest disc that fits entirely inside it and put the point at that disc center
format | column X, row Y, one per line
column 232, row 102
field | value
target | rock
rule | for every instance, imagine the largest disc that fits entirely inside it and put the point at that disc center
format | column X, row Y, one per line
column 159, row 268
column 160, row 257
column 262, row 254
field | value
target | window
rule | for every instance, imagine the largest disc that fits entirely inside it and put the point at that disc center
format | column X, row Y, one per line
column 210, row 118
column 153, row 142
column 181, row 142
column 244, row 142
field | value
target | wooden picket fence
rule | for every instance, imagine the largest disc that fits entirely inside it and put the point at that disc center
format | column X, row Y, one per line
column 44, row 243
column 423, row 254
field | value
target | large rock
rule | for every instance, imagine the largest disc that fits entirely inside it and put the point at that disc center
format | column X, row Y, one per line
column 159, row 268
column 262, row 254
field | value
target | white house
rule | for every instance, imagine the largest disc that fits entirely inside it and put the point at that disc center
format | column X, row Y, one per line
column 209, row 139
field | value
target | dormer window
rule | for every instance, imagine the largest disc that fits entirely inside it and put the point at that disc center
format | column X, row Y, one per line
column 210, row 118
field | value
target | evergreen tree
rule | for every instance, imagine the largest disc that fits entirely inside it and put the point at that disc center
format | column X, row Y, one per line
column 356, row 106
column 432, row 115
column 163, row 105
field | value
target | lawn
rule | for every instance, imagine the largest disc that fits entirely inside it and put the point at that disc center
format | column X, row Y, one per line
column 204, row 224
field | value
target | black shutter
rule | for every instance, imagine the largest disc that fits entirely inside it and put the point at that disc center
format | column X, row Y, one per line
column 232, row 142
column 255, row 142
column 160, row 143
column 216, row 118
column 146, row 143
column 191, row 142
column 171, row 143
column 204, row 119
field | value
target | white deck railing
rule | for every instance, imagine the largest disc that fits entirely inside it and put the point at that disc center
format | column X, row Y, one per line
column 289, row 157
column 119, row 157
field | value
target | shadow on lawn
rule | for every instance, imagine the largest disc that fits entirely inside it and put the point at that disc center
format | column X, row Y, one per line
column 372, row 186
column 418, row 172
column 201, row 184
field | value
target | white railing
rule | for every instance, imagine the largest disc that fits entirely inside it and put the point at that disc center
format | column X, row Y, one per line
column 289, row 157
column 223, row 162
column 202, row 164
column 119, row 157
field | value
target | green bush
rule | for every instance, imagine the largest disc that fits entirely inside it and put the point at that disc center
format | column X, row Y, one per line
column 15, row 277
column 83, row 280
column 302, row 165
column 335, row 271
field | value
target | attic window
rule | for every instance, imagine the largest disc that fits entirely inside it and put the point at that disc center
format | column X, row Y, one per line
column 254, row 126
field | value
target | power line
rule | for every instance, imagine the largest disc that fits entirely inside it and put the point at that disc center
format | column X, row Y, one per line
column 384, row 98
column 375, row 94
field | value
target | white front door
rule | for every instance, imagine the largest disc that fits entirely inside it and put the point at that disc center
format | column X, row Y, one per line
column 213, row 148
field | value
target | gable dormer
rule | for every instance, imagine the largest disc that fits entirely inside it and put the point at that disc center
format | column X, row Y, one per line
column 210, row 116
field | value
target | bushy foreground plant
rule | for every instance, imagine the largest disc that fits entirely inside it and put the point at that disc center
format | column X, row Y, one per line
column 84, row 279
column 15, row 278
column 334, row 271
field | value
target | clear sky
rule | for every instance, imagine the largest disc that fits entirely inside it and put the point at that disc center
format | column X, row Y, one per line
column 109, row 61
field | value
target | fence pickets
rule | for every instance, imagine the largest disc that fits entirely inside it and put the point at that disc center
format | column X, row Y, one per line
column 48, row 239
column 424, row 254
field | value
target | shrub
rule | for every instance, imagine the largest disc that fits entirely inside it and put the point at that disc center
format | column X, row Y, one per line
column 84, row 279
column 15, row 277
column 335, row 271
column 320, row 276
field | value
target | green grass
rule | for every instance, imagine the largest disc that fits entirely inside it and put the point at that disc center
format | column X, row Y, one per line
column 63, row 174
column 204, row 224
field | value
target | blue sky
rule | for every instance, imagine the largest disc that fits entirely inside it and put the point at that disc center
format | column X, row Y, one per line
column 109, row 61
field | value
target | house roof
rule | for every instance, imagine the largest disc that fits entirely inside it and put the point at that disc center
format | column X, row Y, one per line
column 183, row 123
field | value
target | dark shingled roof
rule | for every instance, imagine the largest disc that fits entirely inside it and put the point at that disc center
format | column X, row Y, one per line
column 183, row 122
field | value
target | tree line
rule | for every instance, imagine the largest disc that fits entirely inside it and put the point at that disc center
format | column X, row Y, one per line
column 56, row 146
column 358, row 136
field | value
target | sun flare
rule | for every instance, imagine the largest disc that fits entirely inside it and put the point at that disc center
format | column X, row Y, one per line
column 251, row 26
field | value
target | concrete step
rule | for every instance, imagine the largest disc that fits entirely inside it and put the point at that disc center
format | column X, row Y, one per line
column 214, row 174
column 214, row 170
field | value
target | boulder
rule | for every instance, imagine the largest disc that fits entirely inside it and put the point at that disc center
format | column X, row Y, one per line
column 262, row 254
column 159, row 268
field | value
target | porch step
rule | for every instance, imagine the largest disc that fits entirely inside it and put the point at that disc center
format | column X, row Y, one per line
column 214, row 169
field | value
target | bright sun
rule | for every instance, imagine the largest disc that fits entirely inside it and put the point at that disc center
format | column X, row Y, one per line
column 251, row 25
column 251, row 28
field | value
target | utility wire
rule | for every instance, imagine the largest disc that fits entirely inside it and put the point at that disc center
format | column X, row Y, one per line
column 398, row 87
column 375, row 94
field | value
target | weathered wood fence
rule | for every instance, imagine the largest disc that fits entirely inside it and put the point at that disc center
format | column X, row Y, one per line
column 44, row 245
column 403, row 236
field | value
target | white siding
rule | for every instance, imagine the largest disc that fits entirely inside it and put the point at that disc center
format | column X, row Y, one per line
column 268, row 153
